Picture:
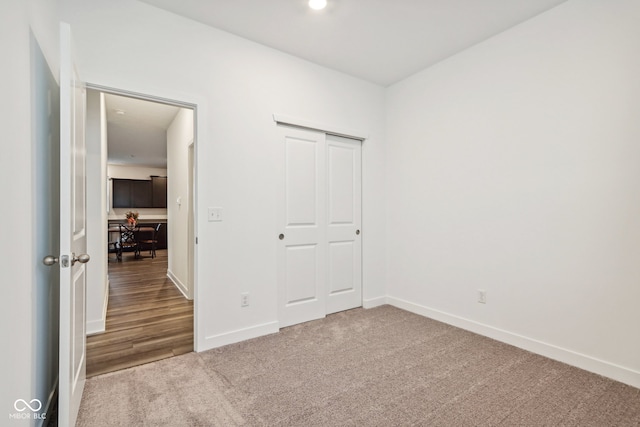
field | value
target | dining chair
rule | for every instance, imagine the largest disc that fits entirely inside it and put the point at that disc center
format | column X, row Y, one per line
column 113, row 247
column 152, row 243
column 128, row 241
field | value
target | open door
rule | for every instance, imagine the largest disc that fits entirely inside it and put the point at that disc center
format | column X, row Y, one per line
column 73, row 236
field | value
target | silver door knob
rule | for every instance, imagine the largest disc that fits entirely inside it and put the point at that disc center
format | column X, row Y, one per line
column 83, row 259
column 49, row 260
column 281, row 237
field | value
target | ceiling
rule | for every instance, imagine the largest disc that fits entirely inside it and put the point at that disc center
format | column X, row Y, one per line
column 137, row 131
column 381, row 41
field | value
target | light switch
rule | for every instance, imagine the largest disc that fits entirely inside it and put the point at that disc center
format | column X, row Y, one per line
column 215, row 214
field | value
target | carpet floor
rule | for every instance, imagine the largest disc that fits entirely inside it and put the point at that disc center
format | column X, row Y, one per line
column 376, row 367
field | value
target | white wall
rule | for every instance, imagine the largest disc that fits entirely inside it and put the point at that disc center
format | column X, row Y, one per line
column 237, row 85
column 179, row 137
column 513, row 168
column 16, row 167
column 133, row 172
column 97, row 270
column 29, row 312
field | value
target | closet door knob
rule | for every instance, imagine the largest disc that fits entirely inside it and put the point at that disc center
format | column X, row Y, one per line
column 281, row 236
column 357, row 232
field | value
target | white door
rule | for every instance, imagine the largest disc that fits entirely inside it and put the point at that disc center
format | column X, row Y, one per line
column 72, row 235
column 319, row 255
column 302, row 238
column 344, row 201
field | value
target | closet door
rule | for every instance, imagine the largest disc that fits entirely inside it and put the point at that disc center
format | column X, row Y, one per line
column 319, row 241
column 344, row 248
column 302, row 231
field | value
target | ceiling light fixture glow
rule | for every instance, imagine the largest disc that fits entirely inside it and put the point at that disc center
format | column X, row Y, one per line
column 317, row 4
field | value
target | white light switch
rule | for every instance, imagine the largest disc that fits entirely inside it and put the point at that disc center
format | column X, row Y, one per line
column 215, row 214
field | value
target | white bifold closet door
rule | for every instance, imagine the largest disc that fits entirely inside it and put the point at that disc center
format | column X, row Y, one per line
column 319, row 251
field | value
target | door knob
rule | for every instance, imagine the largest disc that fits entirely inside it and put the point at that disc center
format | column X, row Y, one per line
column 281, row 237
column 357, row 232
column 84, row 258
column 49, row 260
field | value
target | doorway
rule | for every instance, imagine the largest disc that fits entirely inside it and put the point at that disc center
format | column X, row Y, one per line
column 140, row 305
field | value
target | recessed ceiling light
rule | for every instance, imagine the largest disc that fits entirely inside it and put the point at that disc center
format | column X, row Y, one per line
column 317, row 4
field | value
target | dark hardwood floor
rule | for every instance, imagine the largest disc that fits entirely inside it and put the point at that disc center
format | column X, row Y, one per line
column 148, row 318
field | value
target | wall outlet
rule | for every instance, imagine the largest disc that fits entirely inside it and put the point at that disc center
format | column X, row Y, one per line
column 244, row 299
column 482, row 296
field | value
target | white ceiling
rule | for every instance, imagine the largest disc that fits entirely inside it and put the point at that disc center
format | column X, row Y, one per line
column 381, row 41
column 139, row 135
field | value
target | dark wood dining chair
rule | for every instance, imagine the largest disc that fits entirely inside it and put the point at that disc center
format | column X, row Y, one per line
column 113, row 248
column 128, row 241
column 152, row 243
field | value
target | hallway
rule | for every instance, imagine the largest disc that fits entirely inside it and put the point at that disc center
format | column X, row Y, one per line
column 148, row 319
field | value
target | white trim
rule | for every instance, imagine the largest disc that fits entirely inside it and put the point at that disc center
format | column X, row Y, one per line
column 330, row 129
column 178, row 283
column 579, row 360
column 100, row 326
column 95, row 327
column 232, row 337
column 141, row 96
column 115, row 84
column 374, row 302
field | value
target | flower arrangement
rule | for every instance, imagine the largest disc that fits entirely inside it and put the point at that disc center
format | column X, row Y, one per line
column 132, row 217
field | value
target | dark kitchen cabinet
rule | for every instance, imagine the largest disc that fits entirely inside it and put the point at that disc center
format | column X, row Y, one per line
column 121, row 193
column 131, row 193
column 159, row 191
column 140, row 193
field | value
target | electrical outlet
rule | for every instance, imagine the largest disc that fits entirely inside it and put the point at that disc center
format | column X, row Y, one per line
column 244, row 299
column 482, row 296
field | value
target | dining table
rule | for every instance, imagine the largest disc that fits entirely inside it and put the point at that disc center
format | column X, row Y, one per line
column 140, row 229
column 115, row 228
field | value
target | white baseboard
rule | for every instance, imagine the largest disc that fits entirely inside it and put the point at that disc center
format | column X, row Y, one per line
column 178, row 283
column 233, row 337
column 374, row 302
column 99, row 326
column 95, row 327
column 579, row 360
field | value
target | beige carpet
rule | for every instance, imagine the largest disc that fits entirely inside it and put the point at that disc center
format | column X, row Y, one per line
column 377, row 367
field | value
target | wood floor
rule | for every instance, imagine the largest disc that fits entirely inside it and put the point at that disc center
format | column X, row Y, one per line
column 148, row 319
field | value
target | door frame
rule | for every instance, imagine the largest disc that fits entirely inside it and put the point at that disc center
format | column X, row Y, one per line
column 191, row 243
column 198, row 105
